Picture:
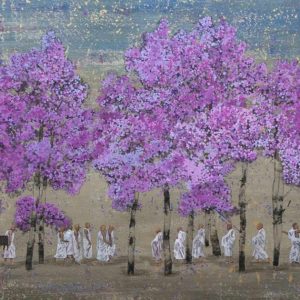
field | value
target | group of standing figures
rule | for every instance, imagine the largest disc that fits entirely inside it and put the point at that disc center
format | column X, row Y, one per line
column 74, row 245
column 179, row 245
column 258, row 242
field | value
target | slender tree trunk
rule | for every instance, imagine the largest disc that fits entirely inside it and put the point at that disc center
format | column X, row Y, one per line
column 30, row 243
column 41, row 233
column 166, row 233
column 41, row 184
column 214, row 239
column 131, row 239
column 189, row 240
column 277, row 203
column 243, row 221
column 207, row 224
column 33, row 223
column 41, row 241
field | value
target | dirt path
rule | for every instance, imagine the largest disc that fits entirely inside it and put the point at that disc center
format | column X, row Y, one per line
column 211, row 279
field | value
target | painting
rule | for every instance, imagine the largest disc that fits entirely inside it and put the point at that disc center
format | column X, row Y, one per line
column 149, row 149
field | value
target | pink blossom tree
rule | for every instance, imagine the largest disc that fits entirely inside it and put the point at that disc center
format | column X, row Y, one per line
column 195, row 71
column 45, row 126
column 277, row 109
column 176, row 77
column 208, row 197
column 216, row 139
column 134, row 150
column 237, row 133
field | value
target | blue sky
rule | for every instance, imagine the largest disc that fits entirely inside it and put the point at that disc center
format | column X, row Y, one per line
column 90, row 26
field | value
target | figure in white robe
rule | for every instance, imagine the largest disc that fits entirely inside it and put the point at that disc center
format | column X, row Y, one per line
column 87, row 242
column 259, row 244
column 10, row 250
column 179, row 246
column 228, row 242
column 68, row 237
column 199, row 243
column 102, row 245
column 111, row 238
column 77, row 244
column 61, row 248
column 156, row 246
column 293, row 236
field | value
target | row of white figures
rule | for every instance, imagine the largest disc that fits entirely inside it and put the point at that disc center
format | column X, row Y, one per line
column 227, row 242
column 71, row 245
column 258, row 243
column 179, row 245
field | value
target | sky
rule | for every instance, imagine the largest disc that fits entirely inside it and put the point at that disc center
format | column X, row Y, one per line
column 102, row 28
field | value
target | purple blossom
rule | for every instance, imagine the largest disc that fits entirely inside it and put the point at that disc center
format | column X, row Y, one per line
column 44, row 125
column 179, row 114
column 27, row 207
column 277, row 108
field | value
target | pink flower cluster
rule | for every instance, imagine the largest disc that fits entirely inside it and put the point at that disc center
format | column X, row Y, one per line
column 179, row 115
column 44, row 125
column 277, row 108
column 28, row 207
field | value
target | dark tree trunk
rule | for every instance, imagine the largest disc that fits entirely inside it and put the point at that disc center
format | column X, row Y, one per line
column 41, row 233
column 214, row 239
column 207, row 224
column 166, row 233
column 30, row 243
column 131, row 239
column 277, row 203
column 41, row 185
column 189, row 240
column 243, row 220
column 41, row 242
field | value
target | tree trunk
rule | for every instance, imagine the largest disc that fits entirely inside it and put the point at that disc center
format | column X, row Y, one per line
column 189, row 240
column 41, row 241
column 166, row 233
column 42, row 223
column 32, row 232
column 214, row 239
column 207, row 223
column 243, row 222
column 30, row 243
column 277, row 203
column 41, row 185
column 131, row 239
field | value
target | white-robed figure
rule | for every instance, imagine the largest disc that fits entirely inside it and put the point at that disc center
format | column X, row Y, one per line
column 179, row 246
column 87, row 241
column 68, row 237
column 259, row 244
column 111, row 238
column 199, row 243
column 156, row 246
column 228, row 242
column 293, row 235
column 10, row 250
column 102, row 245
column 61, row 248
column 77, row 243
